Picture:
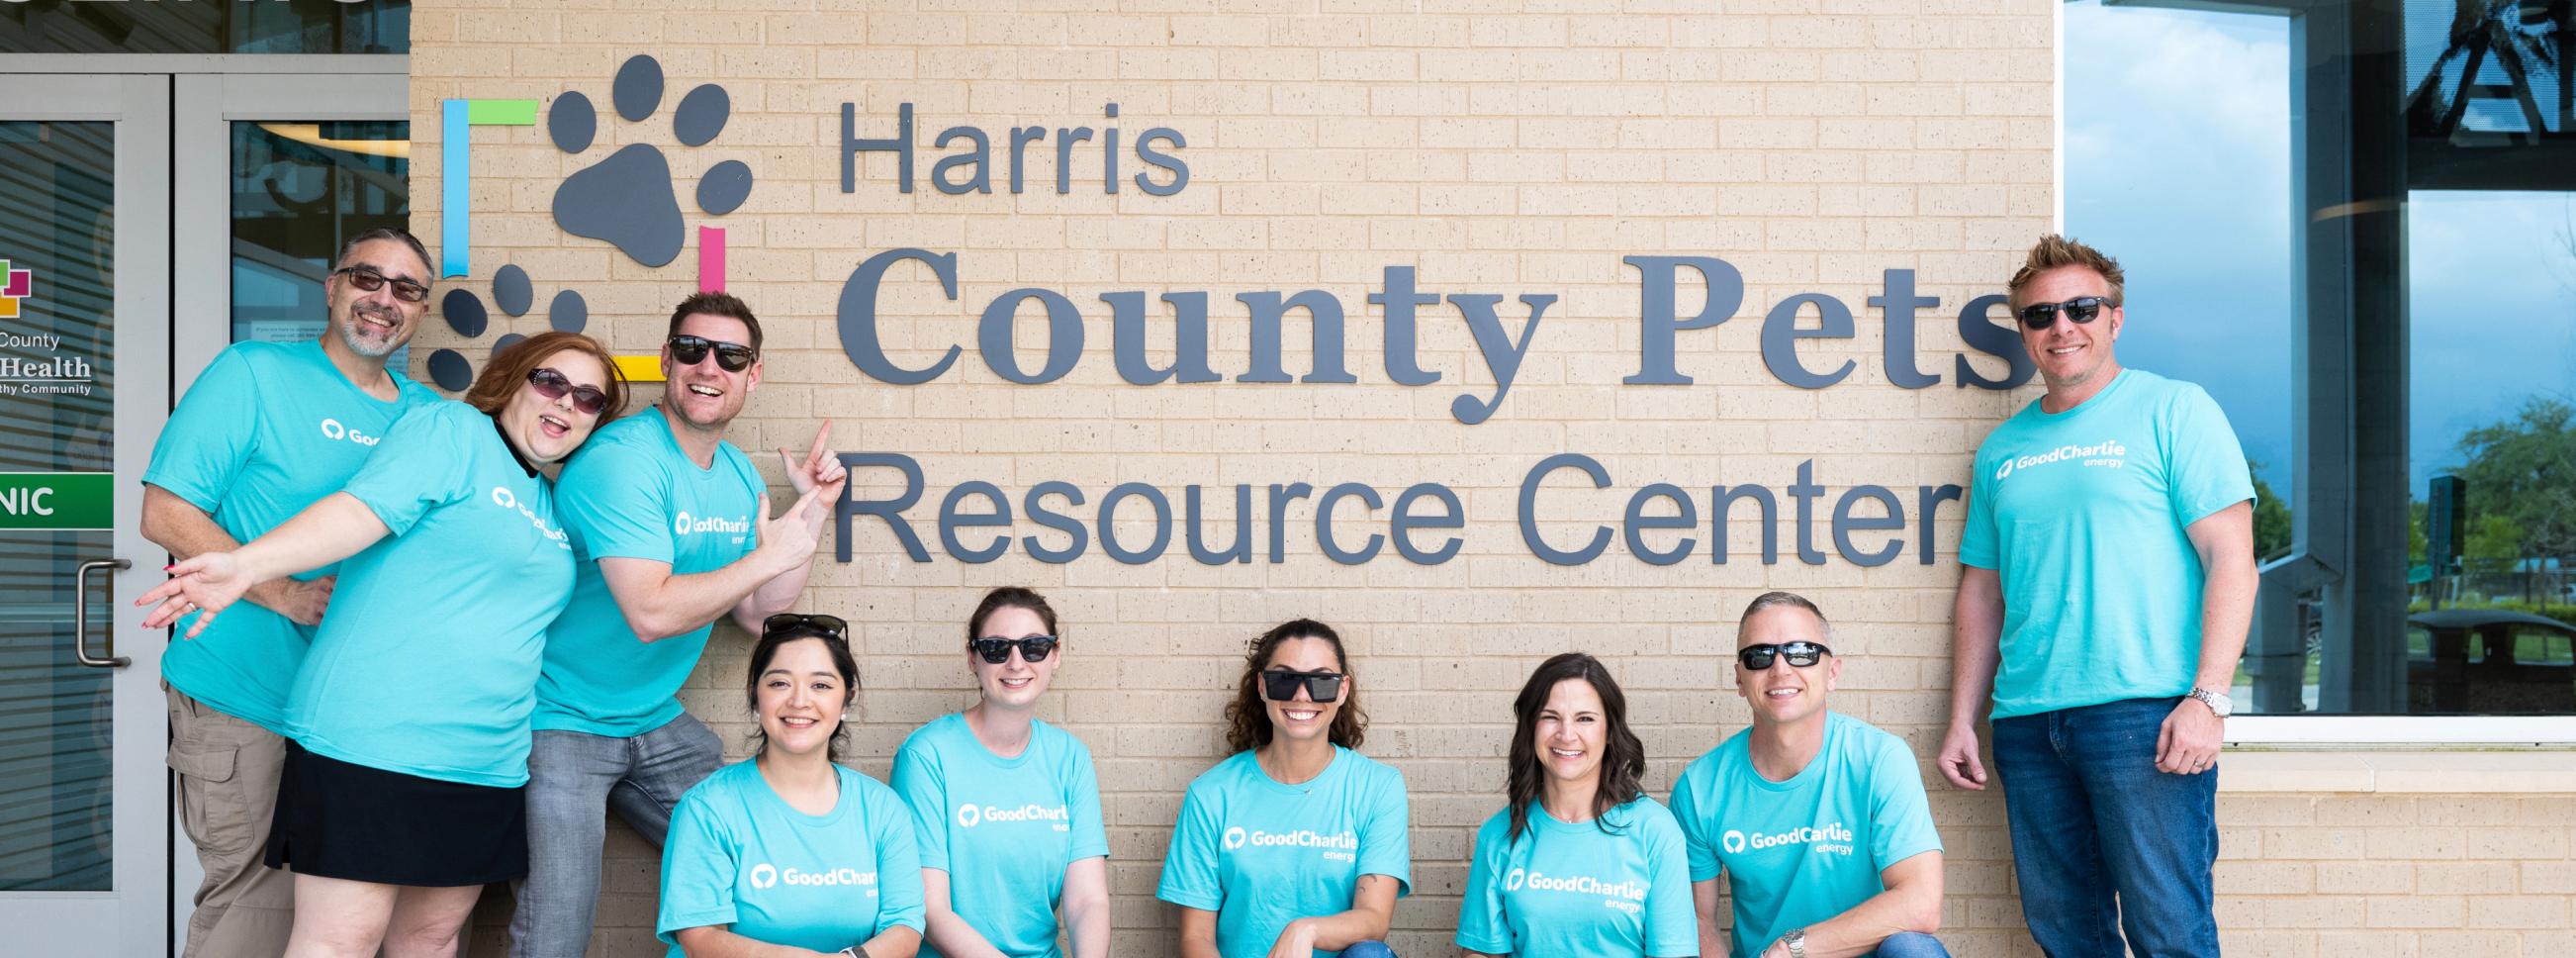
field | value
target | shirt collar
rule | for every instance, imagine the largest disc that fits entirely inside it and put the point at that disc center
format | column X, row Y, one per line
column 513, row 447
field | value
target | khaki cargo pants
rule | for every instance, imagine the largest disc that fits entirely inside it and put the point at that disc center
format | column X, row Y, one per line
column 227, row 790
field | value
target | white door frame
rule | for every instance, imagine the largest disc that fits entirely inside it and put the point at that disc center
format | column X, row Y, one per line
column 133, row 917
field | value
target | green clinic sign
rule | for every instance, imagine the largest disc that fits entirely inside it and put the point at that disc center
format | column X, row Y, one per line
column 57, row 500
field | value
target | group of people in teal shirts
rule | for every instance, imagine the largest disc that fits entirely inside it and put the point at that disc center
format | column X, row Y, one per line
column 990, row 840
column 428, row 645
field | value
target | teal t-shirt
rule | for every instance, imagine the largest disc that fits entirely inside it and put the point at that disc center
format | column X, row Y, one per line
column 2081, row 513
column 268, row 429
column 739, row 855
column 1261, row 854
column 1564, row 889
column 426, row 663
column 1801, row 851
column 630, row 493
column 1004, row 829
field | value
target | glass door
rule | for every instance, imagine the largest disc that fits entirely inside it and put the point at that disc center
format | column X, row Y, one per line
column 84, row 390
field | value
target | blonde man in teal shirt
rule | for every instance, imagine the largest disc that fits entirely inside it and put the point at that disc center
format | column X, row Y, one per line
column 1817, row 820
column 2106, row 584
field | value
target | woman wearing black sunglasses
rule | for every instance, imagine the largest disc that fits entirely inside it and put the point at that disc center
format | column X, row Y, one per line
column 1007, row 807
column 1296, row 846
column 408, row 722
column 790, row 848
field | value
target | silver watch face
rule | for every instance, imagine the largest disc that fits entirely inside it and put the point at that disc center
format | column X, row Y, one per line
column 2218, row 702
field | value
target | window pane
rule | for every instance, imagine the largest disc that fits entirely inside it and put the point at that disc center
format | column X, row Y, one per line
column 206, row 26
column 2301, row 257
column 298, row 191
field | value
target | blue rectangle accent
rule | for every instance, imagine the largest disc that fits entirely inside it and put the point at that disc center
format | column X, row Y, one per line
column 455, row 208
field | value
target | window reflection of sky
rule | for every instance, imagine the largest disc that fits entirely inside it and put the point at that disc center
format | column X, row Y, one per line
column 2178, row 162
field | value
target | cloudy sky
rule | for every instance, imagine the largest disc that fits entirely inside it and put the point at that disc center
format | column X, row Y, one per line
column 2178, row 162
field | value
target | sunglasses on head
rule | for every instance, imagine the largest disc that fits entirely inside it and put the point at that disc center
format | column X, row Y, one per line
column 730, row 357
column 368, row 280
column 553, row 385
column 1800, row 654
column 996, row 650
column 2081, row 309
column 830, row 625
column 1280, row 685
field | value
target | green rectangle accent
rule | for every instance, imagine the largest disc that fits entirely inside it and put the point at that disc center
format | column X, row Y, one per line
column 57, row 500
column 501, row 112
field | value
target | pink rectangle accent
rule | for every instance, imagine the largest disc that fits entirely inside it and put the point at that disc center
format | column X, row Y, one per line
column 21, row 282
column 711, row 259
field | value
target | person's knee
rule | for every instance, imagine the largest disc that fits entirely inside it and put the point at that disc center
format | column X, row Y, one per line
column 1369, row 949
column 1911, row 944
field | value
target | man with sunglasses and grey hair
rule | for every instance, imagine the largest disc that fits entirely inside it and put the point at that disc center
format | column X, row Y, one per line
column 2107, row 580
column 1816, row 819
column 671, row 532
column 267, row 429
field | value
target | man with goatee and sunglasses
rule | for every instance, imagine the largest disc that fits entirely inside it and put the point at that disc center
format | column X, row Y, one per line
column 2107, row 580
column 1816, row 820
column 670, row 531
column 265, row 431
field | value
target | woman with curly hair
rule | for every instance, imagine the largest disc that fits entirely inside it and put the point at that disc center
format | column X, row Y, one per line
column 1296, row 845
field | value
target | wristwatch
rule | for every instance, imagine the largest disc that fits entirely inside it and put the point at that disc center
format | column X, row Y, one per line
column 1796, row 939
column 2218, row 702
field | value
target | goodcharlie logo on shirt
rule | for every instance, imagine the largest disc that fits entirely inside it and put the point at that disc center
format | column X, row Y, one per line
column 503, row 497
column 334, row 431
column 1337, row 847
column 686, row 524
column 970, row 815
column 766, row 875
column 1628, row 896
column 2108, row 452
column 1829, row 839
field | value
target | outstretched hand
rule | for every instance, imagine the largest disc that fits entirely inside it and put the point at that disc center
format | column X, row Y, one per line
column 206, row 583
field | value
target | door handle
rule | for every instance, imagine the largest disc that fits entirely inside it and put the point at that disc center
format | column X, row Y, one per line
column 80, row 615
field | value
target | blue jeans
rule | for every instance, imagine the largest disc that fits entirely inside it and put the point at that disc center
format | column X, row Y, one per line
column 574, row 779
column 1912, row 944
column 2093, row 821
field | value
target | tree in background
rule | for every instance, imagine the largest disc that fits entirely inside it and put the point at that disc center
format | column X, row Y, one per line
column 2522, row 480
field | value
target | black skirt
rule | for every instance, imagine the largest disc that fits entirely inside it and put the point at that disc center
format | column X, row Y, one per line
column 338, row 820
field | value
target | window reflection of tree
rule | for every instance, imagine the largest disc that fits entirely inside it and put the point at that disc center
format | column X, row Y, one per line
column 2521, row 36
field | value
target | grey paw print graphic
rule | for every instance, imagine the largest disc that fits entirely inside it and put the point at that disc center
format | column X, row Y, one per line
column 466, row 314
column 628, row 199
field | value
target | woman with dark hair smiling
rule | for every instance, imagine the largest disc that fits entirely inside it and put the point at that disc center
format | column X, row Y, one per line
column 1007, row 805
column 1580, row 862
column 1296, row 846
column 790, row 854
column 407, row 725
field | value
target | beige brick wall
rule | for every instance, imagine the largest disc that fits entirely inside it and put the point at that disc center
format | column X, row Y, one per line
column 1499, row 147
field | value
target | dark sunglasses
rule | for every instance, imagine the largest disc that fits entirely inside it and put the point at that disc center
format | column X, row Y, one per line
column 1800, row 654
column 830, row 625
column 553, row 385
column 368, row 281
column 997, row 650
column 1280, row 685
column 689, row 350
column 2081, row 309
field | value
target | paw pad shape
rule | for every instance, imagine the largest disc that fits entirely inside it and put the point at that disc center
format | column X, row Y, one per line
column 466, row 315
column 627, row 199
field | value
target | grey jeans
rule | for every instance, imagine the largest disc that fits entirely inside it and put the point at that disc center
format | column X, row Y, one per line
column 574, row 780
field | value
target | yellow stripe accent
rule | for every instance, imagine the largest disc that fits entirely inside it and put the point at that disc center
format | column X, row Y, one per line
column 641, row 369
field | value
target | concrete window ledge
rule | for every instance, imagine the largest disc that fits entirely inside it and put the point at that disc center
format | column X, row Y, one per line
column 2448, row 771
